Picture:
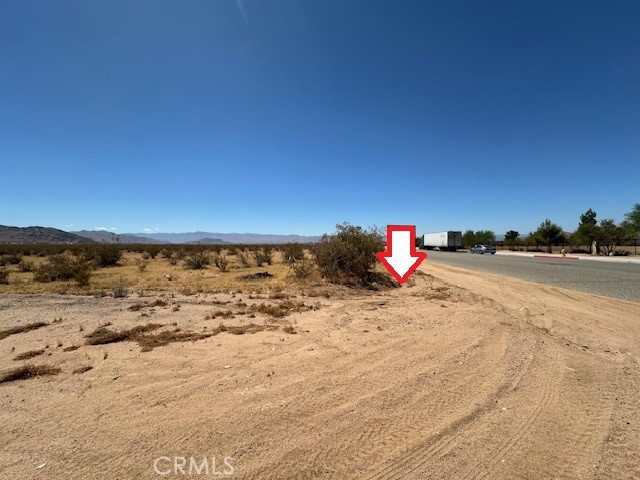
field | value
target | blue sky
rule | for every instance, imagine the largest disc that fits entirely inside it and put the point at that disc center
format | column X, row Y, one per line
column 300, row 114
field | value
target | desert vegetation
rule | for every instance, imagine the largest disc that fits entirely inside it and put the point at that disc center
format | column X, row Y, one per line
column 346, row 257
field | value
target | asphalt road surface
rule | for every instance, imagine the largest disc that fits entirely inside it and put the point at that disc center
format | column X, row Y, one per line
column 610, row 279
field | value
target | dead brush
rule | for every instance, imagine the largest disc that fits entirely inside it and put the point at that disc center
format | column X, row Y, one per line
column 220, row 314
column 103, row 336
column 140, row 335
column 221, row 261
column 160, row 339
column 140, row 305
column 28, row 371
column 244, row 257
column 28, row 355
column 21, row 329
column 282, row 309
column 242, row 329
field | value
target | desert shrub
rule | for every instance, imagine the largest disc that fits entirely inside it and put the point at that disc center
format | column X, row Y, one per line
column 105, row 254
column 292, row 252
column 302, row 268
column 120, row 289
column 221, row 261
column 4, row 276
column 152, row 250
column 83, row 275
column 263, row 255
column 146, row 255
column 26, row 266
column 243, row 256
column 349, row 254
column 142, row 263
column 10, row 259
column 63, row 267
column 197, row 260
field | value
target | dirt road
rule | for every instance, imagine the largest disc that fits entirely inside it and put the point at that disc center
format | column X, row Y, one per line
column 461, row 375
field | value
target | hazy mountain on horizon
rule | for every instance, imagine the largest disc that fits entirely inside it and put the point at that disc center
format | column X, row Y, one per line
column 103, row 236
column 244, row 238
column 41, row 235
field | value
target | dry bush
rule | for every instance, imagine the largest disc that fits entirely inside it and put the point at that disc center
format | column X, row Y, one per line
column 349, row 255
column 120, row 289
column 28, row 371
column 292, row 252
column 221, row 261
column 10, row 259
column 26, row 266
column 244, row 257
column 62, row 267
column 263, row 255
column 71, row 348
column 105, row 254
column 24, row 328
column 4, row 276
column 152, row 250
column 29, row 354
column 197, row 260
column 142, row 263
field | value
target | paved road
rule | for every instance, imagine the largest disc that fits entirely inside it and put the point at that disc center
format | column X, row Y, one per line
column 611, row 279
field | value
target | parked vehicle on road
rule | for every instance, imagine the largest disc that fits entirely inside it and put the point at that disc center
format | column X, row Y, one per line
column 482, row 249
column 449, row 240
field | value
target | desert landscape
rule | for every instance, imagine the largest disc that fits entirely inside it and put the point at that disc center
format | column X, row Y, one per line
column 456, row 374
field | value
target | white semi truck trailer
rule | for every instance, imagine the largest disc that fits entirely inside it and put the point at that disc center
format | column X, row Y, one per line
column 442, row 240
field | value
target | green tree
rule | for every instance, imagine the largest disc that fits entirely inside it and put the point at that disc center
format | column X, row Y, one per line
column 511, row 238
column 587, row 231
column 610, row 235
column 485, row 237
column 469, row 238
column 632, row 224
column 549, row 234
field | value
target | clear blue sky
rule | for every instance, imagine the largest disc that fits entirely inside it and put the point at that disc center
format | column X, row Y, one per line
column 291, row 116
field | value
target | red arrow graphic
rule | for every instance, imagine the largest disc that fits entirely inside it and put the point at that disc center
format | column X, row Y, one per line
column 401, row 258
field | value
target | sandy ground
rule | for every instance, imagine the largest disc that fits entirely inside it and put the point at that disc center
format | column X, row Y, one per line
column 461, row 375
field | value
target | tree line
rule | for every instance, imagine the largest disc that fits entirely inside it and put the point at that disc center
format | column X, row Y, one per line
column 598, row 236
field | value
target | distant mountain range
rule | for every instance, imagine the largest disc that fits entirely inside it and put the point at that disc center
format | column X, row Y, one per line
column 102, row 236
column 32, row 235
column 244, row 238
